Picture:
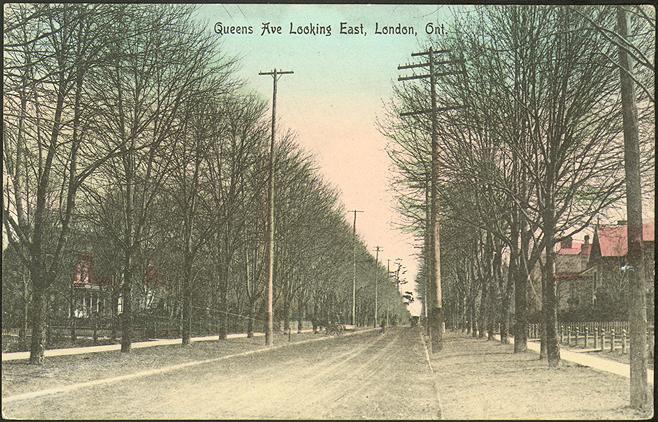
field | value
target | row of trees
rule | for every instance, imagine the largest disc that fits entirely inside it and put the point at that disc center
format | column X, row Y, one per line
column 127, row 134
column 531, row 151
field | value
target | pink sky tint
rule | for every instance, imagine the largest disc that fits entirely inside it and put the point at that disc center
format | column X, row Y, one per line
column 333, row 100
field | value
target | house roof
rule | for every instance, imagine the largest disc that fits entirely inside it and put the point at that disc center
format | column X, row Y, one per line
column 613, row 239
column 575, row 249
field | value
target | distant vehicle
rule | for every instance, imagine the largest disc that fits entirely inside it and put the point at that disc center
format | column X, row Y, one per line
column 408, row 296
column 334, row 329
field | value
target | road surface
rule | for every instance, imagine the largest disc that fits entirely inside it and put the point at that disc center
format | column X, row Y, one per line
column 368, row 376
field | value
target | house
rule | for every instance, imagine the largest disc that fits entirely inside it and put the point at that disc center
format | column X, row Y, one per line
column 607, row 263
column 93, row 295
column 591, row 278
column 89, row 294
column 574, row 286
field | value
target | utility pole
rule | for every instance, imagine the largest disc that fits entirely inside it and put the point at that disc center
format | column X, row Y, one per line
column 426, row 254
column 354, row 267
column 436, row 315
column 269, row 340
column 638, row 312
column 388, row 278
column 377, row 250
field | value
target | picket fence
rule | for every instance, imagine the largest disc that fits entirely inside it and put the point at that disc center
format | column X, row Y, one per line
column 601, row 335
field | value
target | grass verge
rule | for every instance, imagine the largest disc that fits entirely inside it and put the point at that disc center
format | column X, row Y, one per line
column 481, row 379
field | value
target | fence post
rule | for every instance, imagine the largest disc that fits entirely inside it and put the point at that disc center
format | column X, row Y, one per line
column 561, row 334
column 586, row 336
column 623, row 342
column 612, row 340
column 568, row 335
column 596, row 337
column 602, row 339
column 576, row 335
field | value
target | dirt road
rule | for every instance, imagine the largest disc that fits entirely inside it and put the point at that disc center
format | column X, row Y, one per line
column 365, row 376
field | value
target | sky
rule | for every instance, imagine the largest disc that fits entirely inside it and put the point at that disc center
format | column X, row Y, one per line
column 335, row 96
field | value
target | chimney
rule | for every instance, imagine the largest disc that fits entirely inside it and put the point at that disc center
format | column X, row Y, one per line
column 621, row 222
column 566, row 243
column 586, row 240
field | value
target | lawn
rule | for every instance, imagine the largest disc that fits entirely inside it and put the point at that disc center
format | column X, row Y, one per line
column 480, row 379
column 20, row 377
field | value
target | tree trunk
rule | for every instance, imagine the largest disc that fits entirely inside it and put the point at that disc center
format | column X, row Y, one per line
column 223, row 299
column 187, row 302
column 286, row 314
column 113, row 316
column 300, row 313
column 505, row 313
column 474, row 328
column 250, row 320
column 521, row 307
column 39, row 321
column 483, row 310
column 314, row 320
column 72, row 321
column 468, row 312
column 505, row 308
column 550, row 293
column 95, row 335
column 542, row 322
column 491, row 310
column 26, row 303
column 126, row 314
column 542, row 338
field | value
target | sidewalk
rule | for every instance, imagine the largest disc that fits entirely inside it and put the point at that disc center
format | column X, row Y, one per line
column 6, row 357
column 600, row 364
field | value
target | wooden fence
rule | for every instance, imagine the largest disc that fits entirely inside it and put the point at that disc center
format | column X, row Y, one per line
column 598, row 335
column 152, row 327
